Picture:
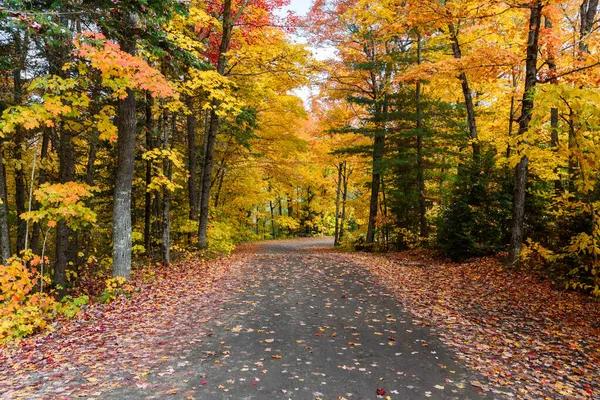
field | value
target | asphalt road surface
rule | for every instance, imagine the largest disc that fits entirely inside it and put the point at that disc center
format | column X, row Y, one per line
column 309, row 325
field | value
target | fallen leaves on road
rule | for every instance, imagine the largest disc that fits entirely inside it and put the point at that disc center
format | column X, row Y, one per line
column 527, row 337
column 116, row 344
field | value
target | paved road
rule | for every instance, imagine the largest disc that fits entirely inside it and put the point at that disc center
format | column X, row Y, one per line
column 308, row 325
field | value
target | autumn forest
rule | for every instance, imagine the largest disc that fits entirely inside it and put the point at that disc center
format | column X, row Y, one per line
column 145, row 142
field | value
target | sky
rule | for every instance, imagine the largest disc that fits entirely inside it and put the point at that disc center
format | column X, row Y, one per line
column 301, row 8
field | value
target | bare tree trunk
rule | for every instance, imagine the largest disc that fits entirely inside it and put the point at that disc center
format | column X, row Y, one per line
column 378, row 152
column 345, row 177
column 20, row 188
column 386, row 230
column 66, row 174
column 37, row 230
column 587, row 10
column 511, row 118
column 150, row 145
column 127, row 126
column 467, row 93
column 272, row 219
column 518, row 221
column 554, row 116
column 336, row 237
column 4, row 228
column 228, row 21
column 420, row 164
column 168, row 171
column 123, row 186
column 192, row 162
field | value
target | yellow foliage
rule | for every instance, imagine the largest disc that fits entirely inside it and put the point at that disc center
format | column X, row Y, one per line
column 22, row 312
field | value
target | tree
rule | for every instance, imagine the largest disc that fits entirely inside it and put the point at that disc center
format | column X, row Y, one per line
column 516, row 238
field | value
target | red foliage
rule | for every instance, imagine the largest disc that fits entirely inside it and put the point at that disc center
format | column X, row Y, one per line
column 256, row 14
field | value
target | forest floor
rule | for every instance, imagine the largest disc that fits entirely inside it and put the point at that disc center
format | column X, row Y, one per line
column 299, row 320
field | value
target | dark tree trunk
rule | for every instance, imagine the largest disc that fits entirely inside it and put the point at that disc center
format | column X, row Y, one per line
column 166, row 217
column 345, row 177
column 554, row 116
column 20, row 188
column 4, row 228
column 309, row 197
column 420, row 164
column 272, row 219
column 573, row 165
column 228, row 22
column 192, row 162
column 336, row 237
column 518, row 220
column 378, row 152
column 511, row 117
column 66, row 174
column 467, row 93
column 20, row 196
column 148, row 194
column 21, row 48
column 36, row 234
column 587, row 10
column 221, row 178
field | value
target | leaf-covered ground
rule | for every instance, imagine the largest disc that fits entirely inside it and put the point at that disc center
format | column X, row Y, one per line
column 297, row 320
column 529, row 339
column 284, row 323
column 117, row 344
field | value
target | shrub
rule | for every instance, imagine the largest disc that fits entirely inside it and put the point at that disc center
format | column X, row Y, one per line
column 23, row 310
column 476, row 219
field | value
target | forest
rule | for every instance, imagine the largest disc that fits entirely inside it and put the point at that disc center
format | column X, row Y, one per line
column 139, row 133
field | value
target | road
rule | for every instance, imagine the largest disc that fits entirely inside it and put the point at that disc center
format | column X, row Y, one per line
column 310, row 325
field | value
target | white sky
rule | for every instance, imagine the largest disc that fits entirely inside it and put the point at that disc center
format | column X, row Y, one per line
column 301, row 8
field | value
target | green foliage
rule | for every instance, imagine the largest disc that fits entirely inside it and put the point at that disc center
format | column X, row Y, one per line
column 70, row 307
column 476, row 219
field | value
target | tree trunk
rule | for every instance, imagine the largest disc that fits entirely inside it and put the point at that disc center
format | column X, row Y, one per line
column 37, row 230
column 66, row 174
column 468, row 95
column 336, row 237
column 213, row 128
column 192, row 162
column 511, row 117
column 378, row 151
column 166, row 217
column 518, row 220
column 148, row 193
column 345, row 177
column 272, row 219
column 308, row 220
column 127, row 126
column 123, row 186
column 4, row 228
column 420, row 164
column 587, row 10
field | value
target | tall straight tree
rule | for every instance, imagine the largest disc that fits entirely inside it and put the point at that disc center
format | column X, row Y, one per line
column 229, row 20
column 4, row 228
column 518, row 216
